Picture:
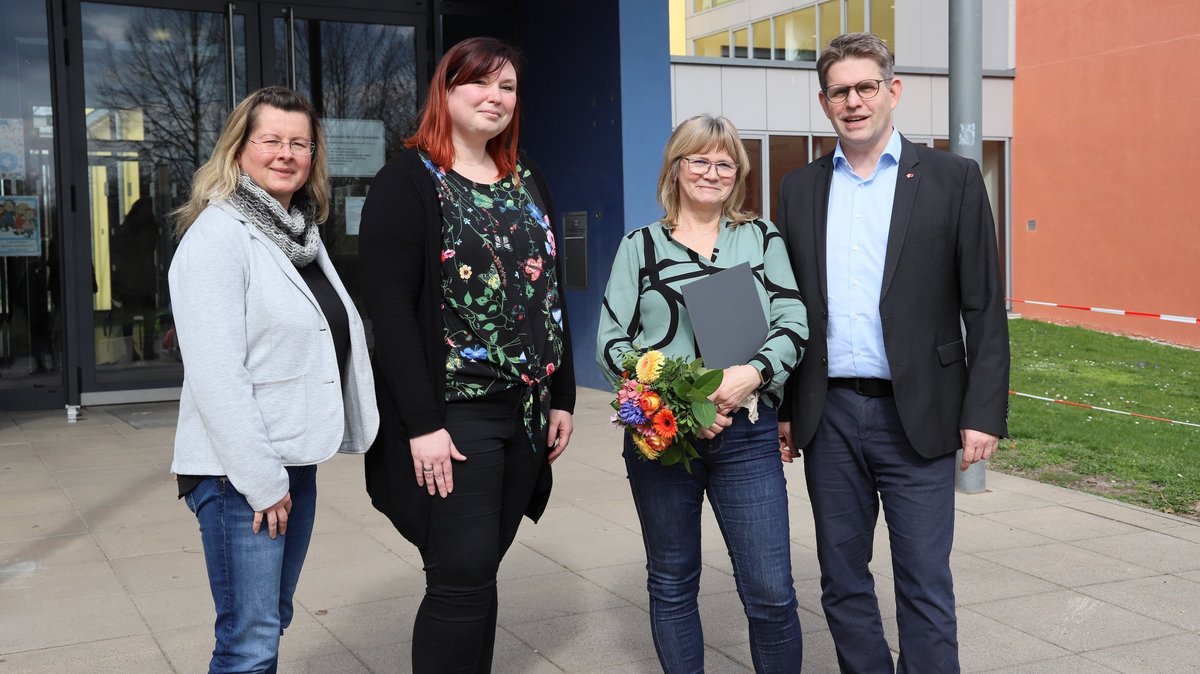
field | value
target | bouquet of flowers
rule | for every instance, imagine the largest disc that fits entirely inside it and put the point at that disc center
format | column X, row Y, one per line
column 663, row 404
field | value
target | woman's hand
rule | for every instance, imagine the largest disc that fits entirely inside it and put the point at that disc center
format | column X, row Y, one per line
column 737, row 385
column 276, row 516
column 431, row 455
column 723, row 421
column 562, row 424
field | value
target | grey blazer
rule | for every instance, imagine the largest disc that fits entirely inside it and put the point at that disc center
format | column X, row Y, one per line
column 261, row 388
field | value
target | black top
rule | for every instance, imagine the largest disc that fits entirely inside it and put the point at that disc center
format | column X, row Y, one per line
column 333, row 310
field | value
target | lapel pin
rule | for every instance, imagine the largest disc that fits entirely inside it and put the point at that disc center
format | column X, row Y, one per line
column 909, row 175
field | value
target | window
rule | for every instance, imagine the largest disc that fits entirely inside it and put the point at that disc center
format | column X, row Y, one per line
column 798, row 35
column 787, row 153
column 741, row 40
column 754, row 177
column 713, row 45
column 883, row 21
column 762, row 40
column 701, row 5
column 829, row 15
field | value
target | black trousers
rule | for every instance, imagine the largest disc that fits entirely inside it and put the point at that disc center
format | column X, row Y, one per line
column 469, row 532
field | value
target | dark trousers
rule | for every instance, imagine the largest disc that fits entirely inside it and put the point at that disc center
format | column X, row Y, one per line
column 859, row 457
column 469, row 532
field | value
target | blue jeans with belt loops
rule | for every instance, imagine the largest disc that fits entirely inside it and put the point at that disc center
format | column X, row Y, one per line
column 252, row 576
column 741, row 472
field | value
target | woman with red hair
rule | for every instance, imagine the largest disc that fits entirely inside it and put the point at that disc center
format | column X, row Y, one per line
column 460, row 277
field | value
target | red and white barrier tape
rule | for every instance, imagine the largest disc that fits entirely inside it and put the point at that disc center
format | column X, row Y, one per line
column 1104, row 409
column 1115, row 312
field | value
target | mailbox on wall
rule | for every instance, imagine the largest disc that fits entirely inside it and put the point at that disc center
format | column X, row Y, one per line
column 575, row 249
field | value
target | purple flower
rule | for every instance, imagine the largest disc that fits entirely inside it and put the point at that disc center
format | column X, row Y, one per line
column 631, row 413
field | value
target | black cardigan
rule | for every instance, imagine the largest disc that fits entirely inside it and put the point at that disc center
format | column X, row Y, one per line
column 400, row 239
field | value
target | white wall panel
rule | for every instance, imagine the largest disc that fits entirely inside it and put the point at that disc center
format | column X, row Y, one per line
column 997, row 107
column 790, row 93
column 697, row 90
column 912, row 115
column 939, row 113
column 743, row 96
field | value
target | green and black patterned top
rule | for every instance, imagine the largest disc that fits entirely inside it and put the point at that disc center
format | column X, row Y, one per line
column 501, row 304
column 644, row 307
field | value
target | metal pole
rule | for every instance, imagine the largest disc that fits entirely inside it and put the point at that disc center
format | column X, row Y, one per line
column 966, row 126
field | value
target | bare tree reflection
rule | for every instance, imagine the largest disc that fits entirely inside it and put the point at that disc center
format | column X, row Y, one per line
column 366, row 72
column 171, row 67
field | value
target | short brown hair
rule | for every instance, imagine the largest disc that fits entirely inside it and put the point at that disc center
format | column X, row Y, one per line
column 856, row 45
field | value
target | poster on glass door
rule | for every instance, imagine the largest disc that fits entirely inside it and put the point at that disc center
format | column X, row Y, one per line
column 20, row 226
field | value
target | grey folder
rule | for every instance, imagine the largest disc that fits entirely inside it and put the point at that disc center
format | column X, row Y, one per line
column 727, row 317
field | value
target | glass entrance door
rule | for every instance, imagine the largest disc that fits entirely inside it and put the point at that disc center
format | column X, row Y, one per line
column 360, row 69
column 158, row 80
column 156, row 90
column 31, row 298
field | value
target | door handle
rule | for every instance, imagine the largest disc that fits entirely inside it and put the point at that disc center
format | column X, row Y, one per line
column 230, row 57
column 291, row 46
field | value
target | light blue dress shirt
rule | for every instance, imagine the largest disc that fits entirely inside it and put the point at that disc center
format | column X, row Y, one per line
column 860, row 216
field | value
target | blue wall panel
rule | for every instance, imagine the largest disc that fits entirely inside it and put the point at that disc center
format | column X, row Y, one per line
column 596, row 104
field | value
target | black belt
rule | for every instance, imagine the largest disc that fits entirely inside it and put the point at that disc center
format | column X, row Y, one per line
column 871, row 388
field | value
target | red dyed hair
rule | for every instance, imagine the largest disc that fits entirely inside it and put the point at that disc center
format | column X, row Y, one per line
column 465, row 62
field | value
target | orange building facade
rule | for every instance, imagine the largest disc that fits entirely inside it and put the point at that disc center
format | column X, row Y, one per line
column 1106, row 163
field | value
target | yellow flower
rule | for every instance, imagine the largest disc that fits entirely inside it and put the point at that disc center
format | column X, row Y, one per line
column 649, row 366
column 643, row 446
column 464, row 271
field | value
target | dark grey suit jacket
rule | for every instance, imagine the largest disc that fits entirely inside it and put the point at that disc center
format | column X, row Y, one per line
column 941, row 265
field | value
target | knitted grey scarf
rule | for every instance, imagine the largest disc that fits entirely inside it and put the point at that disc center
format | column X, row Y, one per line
column 293, row 231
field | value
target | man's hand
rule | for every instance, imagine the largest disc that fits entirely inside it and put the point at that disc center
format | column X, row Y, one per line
column 787, row 452
column 976, row 446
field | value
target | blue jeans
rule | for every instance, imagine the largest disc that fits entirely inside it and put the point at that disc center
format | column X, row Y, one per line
column 742, row 474
column 859, row 457
column 252, row 577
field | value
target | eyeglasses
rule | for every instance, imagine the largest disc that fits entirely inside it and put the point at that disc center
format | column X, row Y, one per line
column 867, row 89
column 700, row 167
column 274, row 145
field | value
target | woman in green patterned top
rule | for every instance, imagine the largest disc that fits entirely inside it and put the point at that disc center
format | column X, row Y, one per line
column 702, row 188
column 460, row 275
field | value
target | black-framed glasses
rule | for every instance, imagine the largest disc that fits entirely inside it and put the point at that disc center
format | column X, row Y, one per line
column 274, row 145
column 701, row 166
column 867, row 89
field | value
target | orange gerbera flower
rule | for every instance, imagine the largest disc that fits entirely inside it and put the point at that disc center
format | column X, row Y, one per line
column 664, row 424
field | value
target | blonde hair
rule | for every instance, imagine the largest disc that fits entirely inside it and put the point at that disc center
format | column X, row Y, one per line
column 218, row 177
column 698, row 135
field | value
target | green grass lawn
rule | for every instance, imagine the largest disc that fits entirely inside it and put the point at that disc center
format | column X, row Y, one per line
column 1140, row 461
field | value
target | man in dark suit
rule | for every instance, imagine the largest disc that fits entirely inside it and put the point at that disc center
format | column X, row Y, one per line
column 894, row 249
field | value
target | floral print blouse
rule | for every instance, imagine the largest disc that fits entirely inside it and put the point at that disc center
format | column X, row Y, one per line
column 501, row 306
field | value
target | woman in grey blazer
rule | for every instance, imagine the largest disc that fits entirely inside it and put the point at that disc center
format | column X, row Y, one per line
column 276, row 373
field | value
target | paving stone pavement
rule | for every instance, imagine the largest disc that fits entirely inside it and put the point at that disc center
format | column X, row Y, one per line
column 101, row 569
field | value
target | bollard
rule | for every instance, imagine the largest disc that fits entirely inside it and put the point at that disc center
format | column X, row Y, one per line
column 973, row 480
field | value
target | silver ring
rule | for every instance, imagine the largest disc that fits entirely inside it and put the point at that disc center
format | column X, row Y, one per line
column 428, row 469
